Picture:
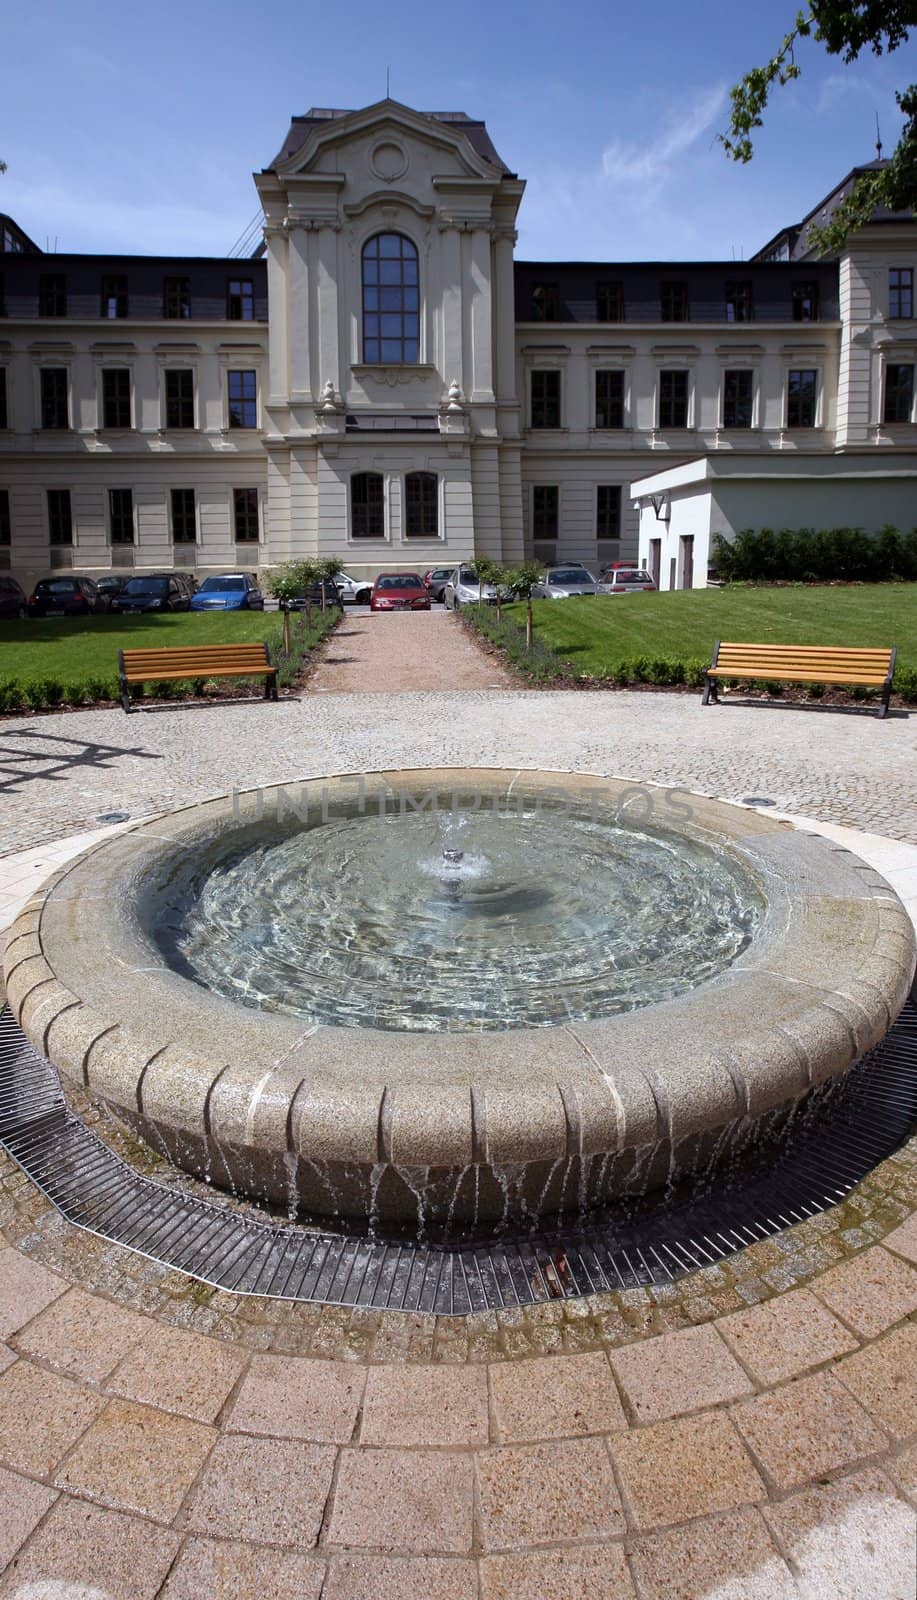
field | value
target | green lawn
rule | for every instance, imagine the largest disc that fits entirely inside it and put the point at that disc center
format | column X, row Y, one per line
column 73, row 650
column 595, row 634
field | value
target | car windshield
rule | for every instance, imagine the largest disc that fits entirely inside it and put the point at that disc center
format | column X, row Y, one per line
column 223, row 585
column 56, row 586
column 577, row 575
column 406, row 580
column 143, row 586
column 442, row 572
column 468, row 577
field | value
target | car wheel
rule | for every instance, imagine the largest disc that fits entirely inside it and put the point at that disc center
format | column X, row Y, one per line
column 363, row 597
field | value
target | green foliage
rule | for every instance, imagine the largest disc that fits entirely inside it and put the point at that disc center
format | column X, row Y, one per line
column 523, row 579
column 11, row 695
column 804, row 555
column 845, row 28
column 287, row 582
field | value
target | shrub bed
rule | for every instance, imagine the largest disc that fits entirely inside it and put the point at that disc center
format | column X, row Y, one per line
column 807, row 555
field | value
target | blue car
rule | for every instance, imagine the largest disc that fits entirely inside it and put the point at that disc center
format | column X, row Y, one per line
column 232, row 591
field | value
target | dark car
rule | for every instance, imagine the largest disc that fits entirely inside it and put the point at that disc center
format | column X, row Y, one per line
column 312, row 595
column 435, row 581
column 13, row 602
column 110, row 585
column 66, row 597
column 158, row 591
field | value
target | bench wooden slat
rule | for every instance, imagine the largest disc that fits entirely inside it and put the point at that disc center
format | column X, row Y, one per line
column 829, row 664
column 248, row 660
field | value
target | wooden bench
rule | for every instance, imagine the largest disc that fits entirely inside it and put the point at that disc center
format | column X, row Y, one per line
column 802, row 663
column 196, row 661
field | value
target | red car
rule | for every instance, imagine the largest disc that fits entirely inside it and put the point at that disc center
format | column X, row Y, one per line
column 399, row 591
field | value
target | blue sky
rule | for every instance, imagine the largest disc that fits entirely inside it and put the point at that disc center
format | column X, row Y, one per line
column 137, row 129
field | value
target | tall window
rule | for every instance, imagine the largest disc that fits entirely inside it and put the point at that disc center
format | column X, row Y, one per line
column 609, row 399
column 6, row 531
column 673, row 302
column 802, row 389
column 245, row 515
column 114, row 295
column 367, row 505
column 4, row 414
column 608, row 511
column 421, row 509
column 240, row 300
column 121, row 516
column 899, row 393
column 116, row 397
column 54, row 408
column 545, row 302
column 60, row 522
column 738, row 392
column 184, row 523
column 738, row 301
column 901, row 291
column 545, row 511
column 52, row 295
column 673, row 399
column 176, row 298
column 179, row 398
column 243, row 400
column 546, row 399
column 391, row 299
column 609, row 302
column 805, row 302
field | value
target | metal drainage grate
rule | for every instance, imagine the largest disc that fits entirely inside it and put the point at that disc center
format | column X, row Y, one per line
column 94, row 1189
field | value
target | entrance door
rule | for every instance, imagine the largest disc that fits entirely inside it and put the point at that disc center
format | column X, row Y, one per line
column 655, row 560
column 687, row 562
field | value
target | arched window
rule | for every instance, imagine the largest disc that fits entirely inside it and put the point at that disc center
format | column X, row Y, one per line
column 367, row 506
column 391, row 307
column 421, row 516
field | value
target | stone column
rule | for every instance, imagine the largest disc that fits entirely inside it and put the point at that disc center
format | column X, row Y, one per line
column 329, row 356
column 278, row 379
column 482, row 331
column 298, row 230
column 504, row 314
column 451, row 364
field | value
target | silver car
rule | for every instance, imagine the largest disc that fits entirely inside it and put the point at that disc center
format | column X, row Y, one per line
column 564, row 583
column 463, row 589
column 625, row 580
column 353, row 591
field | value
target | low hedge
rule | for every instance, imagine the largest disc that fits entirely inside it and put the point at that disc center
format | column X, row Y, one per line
column 46, row 694
column 826, row 555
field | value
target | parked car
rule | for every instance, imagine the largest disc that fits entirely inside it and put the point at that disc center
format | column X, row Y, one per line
column 157, row 591
column 355, row 591
column 230, row 591
column 312, row 595
column 66, row 597
column 564, row 583
column 625, row 580
column 435, row 581
column 399, row 591
column 462, row 589
column 13, row 602
column 110, row 585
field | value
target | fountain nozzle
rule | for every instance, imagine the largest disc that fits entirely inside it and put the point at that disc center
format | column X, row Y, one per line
column 453, row 856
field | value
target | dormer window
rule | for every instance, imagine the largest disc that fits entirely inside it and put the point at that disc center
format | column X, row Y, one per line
column 391, row 300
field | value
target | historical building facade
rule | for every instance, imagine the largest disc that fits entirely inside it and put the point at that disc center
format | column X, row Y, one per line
column 383, row 382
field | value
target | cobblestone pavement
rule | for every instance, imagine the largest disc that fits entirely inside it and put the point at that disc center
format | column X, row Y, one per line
column 748, row 1433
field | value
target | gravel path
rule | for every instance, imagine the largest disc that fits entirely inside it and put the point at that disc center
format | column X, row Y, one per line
column 371, row 653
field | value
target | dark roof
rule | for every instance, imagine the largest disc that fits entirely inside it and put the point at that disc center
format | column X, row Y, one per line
column 473, row 128
column 11, row 229
column 796, row 235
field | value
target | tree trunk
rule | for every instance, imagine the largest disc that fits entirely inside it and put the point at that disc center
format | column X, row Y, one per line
column 499, row 605
column 528, row 625
column 286, row 630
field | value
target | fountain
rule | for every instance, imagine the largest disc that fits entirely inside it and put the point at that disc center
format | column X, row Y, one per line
column 459, row 1000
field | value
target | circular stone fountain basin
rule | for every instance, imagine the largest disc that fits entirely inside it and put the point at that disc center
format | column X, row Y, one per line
column 295, row 993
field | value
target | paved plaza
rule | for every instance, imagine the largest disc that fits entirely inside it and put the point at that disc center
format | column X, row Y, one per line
column 747, row 1433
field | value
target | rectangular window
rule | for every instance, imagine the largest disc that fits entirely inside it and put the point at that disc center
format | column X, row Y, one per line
column 421, row 505
column 240, row 300
column 245, row 515
column 367, row 505
column 546, row 399
column 801, row 394
column 60, row 522
column 608, row 511
column 4, row 415
column 673, row 399
column 609, row 302
column 673, row 302
column 6, row 530
column 179, row 398
column 901, row 291
column 184, row 523
column 114, row 295
column 805, row 302
column 121, row 516
column 609, row 399
column 738, row 301
column 243, row 400
column 116, row 397
column 738, row 392
column 899, row 393
column 545, row 302
column 54, row 408
column 52, row 295
column 545, row 515
column 176, row 298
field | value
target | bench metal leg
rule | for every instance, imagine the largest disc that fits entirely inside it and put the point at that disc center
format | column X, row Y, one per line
column 883, row 710
column 709, row 696
column 125, row 696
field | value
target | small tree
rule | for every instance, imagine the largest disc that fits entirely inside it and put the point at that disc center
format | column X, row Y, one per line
column 501, row 579
column 328, row 570
column 483, row 569
column 521, row 581
column 286, row 584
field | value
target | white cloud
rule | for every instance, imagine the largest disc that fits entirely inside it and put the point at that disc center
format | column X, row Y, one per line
column 627, row 162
